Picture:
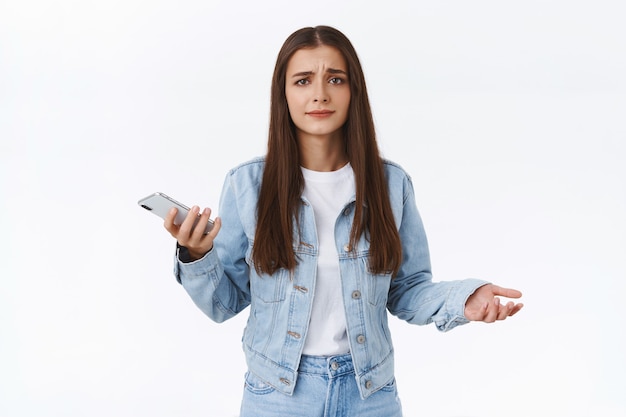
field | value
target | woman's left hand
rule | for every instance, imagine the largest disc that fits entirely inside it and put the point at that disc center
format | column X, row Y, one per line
column 484, row 304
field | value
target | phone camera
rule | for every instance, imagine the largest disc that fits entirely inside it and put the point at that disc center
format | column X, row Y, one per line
column 146, row 207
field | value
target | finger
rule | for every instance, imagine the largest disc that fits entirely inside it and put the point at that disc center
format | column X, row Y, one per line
column 185, row 228
column 505, row 310
column 200, row 224
column 187, row 225
column 506, row 292
column 217, row 225
column 169, row 221
column 516, row 309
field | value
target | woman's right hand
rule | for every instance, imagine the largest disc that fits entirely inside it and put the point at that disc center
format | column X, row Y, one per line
column 194, row 239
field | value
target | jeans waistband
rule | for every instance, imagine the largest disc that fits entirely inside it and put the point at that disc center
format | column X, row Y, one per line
column 326, row 365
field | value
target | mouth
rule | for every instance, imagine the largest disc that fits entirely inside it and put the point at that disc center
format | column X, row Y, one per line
column 320, row 113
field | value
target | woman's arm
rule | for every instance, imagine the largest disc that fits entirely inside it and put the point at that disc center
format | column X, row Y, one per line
column 212, row 268
column 414, row 297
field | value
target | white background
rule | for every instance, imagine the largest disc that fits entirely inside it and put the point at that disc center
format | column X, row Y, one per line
column 509, row 116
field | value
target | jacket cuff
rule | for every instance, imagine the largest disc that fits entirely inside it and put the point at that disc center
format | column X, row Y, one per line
column 455, row 305
column 184, row 264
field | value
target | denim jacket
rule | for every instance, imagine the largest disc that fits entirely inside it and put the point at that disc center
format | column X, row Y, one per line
column 224, row 282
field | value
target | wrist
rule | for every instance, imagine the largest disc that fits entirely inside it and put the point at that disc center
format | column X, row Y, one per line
column 195, row 255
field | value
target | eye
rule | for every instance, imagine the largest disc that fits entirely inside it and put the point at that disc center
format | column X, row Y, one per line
column 303, row 81
column 336, row 80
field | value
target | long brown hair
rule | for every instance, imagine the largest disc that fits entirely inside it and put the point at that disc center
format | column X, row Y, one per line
column 281, row 189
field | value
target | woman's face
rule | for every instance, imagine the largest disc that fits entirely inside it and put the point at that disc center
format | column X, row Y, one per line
column 318, row 92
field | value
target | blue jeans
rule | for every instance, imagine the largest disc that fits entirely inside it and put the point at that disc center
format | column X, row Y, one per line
column 326, row 387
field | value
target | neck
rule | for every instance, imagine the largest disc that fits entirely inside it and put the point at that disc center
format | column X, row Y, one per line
column 322, row 153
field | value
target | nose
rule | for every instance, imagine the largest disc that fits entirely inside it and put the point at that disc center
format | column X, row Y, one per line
column 320, row 94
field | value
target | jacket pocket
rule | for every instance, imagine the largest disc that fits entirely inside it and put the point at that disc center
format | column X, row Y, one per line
column 377, row 287
column 269, row 288
column 390, row 387
column 256, row 386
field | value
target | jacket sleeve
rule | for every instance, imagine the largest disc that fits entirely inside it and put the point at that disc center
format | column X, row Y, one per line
column 218, row 283
column 413, row 296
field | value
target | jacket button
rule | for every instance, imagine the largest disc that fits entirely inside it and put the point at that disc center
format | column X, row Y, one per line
column 301, row 289
column 347, row 247
column 360, row 339
column 368, row 384
column 294, row 334
column 356, row 294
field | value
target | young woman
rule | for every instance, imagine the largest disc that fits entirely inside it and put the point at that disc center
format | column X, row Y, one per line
column 320, row 238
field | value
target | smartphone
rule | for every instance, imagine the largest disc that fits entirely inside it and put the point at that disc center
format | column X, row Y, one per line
column 160, row 204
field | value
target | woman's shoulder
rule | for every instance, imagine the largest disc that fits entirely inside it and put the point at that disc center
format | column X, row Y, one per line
column 395, row 172
column 251, row 168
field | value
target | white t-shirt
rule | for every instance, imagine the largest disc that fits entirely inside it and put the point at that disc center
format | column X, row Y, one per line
column 328, row 193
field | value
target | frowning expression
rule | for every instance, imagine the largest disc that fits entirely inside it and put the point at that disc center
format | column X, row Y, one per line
column 318, row 92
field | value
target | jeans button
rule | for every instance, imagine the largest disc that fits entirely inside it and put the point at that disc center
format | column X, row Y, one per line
column 334, row 366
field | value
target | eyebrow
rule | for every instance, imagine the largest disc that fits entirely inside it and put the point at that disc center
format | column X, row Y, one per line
column 329, row 70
